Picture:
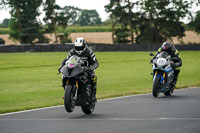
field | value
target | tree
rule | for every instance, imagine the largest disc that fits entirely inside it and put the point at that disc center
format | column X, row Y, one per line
column 5, row 22
column 24, row 25
column 55, row 16
column 122, row 13
column 195, row 24
column 107, row 22
column 50, row 17
column 161, row 20
column 122, row 35
column 153, row 21
column 74, row 14
column 89, row 17
column 81, row 17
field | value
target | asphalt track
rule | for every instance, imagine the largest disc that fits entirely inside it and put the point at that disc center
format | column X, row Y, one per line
column 133, row 114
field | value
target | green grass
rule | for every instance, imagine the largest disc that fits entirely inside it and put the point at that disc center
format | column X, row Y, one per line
column 4, row 30
column 29, row 80
column 76, row 29
column 73, row 29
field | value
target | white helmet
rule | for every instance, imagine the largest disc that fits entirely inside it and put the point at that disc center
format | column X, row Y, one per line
column 79, row 45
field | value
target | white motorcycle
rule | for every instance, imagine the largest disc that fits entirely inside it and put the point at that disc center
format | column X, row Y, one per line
column 163, row 74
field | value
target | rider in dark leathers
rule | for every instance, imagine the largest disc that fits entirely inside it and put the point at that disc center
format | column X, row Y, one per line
column 90, row 62
column 171, row 50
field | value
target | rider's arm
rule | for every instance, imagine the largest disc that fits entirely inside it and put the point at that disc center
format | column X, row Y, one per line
column 178, row 62
column 93, row 61
column 158, row 52
column 68, row 56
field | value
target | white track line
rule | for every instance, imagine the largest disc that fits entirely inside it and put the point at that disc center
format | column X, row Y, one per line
column 98, row 101
column 110, row 119
column 30, row 110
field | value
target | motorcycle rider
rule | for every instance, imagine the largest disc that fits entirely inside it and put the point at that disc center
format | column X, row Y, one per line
column 176, row 64
column 90, row 63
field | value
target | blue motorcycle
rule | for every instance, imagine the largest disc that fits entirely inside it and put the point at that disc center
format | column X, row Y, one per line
column 163, row 74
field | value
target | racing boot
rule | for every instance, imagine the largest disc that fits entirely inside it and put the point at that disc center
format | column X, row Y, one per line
column 64, row 81
column 174, row 81
column 94, row 89
column 88, row 92
column 93, row 96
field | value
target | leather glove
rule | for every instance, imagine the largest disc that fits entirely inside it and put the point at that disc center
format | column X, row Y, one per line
column 151, row 61
column 173, row 65
column 59, row 69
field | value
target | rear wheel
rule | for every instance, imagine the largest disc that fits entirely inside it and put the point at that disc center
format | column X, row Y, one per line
column 89, row 108
column 69, row 99
column 156, row 86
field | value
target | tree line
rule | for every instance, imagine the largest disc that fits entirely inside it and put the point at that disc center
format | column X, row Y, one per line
column 26, row 27
column 151, row 21
column 138, row 21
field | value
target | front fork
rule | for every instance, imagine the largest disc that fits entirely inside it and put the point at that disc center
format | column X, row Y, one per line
column 162, row 81
column 74, row 89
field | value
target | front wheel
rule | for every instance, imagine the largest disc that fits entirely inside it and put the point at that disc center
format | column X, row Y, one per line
column 156, row 86
column 69, row 99
column 89, row 108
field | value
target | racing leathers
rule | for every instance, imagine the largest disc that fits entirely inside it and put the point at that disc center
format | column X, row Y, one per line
column 90, row 64
column 177, row 63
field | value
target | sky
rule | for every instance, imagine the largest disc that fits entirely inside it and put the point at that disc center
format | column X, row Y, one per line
column 98, row 5
column 87, row 4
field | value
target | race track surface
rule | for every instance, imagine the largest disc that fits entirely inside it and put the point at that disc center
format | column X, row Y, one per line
column 133, row 114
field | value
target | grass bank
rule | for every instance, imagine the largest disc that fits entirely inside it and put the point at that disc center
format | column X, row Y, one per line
column 29, row 80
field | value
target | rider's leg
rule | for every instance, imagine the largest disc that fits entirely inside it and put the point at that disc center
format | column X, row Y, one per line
column 176, row 73
column 64, row 80
column 88, row 89
column 94, row 86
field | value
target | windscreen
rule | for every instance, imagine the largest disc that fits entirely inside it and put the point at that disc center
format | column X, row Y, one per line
column 163, row 55
column 73, row 61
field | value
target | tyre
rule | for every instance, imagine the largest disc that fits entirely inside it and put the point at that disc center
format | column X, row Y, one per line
column 156, row 87
column 89, row 108
column 69, row 101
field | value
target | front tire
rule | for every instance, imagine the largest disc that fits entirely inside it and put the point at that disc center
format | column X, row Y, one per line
column 156, row 86
column 69, row 101
column 89, row 108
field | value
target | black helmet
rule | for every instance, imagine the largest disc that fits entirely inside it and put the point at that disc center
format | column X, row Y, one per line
column 166, row 46
column 79, row 45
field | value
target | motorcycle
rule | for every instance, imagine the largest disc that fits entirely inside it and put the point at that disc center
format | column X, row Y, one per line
column 77, row 92
column 163, row 74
